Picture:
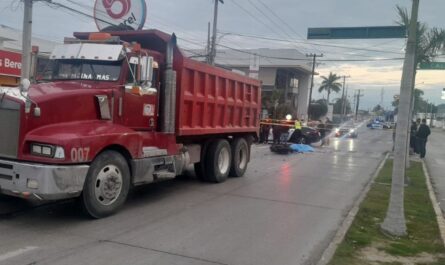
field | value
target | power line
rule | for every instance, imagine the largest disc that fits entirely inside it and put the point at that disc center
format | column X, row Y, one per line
column 269, row 18
column 235, row 49
column 300, row 59
column 285, row 23
column 254, row 17
column 317, row 44
column 277, row 24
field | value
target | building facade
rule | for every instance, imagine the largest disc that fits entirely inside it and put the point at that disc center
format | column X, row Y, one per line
column 11, row 54
column 283, row 72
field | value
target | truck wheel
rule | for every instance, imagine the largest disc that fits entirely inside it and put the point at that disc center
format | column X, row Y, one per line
column 107, row 185
column 240, row 157
column 200, row 170
column 219, row 158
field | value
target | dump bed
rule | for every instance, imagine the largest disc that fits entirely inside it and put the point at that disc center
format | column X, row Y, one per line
column 212, row 100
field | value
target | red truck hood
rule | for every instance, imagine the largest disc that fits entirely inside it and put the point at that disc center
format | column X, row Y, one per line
column 49, row 91
column 63, row 102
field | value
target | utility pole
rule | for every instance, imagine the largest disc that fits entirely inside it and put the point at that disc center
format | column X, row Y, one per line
column 26, row 39
column 215, row 28
column 395, row 222
column 208, row 49
column 314, row 64
column 359, row 95
column 345, row 103
column 431, row 117
column 343, row 99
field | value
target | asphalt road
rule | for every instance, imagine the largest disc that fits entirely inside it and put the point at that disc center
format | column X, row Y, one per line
column 435, row 161
column 284, row 211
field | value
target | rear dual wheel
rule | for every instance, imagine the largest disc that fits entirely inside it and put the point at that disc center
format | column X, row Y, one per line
column 218, row 161
column 222, row 159
column 240, row 157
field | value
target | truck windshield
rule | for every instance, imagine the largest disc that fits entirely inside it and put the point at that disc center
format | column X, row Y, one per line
column 86, row 70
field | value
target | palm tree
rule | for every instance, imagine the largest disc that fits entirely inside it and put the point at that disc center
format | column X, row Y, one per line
column 330, row 84
column 429, row 41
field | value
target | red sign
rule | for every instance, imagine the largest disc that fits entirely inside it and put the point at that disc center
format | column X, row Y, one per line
column 120, row 14
column 10, row 63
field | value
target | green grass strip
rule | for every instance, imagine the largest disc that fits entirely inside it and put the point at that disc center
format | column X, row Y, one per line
column 364, row 241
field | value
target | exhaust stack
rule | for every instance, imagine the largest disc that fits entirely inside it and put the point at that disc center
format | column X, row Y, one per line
column 169, row 91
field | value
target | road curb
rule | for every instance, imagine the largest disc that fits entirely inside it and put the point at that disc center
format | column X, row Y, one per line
column 329, row 252
column 433, row 198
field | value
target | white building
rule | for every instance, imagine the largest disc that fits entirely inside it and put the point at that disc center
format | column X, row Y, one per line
column 11, row 54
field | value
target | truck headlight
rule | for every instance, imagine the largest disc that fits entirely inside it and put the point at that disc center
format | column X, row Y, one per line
column 46, row 150
column 352, row 131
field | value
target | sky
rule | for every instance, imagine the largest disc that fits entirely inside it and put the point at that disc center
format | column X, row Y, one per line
column 285, row 20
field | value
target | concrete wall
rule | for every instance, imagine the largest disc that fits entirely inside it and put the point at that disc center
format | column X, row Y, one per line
column 303, row 96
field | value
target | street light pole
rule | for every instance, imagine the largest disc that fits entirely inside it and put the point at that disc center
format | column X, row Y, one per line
column 26, row 39
column 395, row 223
column 215, row 28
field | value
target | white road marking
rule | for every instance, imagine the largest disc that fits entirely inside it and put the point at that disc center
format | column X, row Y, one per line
column 16, row 253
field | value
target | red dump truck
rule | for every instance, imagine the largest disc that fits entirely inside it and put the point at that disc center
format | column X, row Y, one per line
column 121, row 109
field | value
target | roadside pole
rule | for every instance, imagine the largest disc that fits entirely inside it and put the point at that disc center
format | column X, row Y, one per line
column 26, row 39
column 359, row 95
column 395, row 223
column 209, row 45
column 314, row 63
column 215, row 27
column 343, row 99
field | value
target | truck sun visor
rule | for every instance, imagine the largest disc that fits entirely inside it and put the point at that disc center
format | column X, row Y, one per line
column 88, row 51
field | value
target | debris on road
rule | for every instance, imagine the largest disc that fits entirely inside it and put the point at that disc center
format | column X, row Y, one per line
column 285, row 149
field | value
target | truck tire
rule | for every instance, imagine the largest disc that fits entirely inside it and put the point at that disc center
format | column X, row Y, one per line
column 106, row 186
column 219, row 158
column 240, row 157
column 200, row 170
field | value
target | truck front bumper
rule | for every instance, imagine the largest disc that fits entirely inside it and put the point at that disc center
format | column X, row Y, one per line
column 43, row 182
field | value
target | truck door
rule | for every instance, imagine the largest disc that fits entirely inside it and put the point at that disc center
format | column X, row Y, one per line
column 139, row 101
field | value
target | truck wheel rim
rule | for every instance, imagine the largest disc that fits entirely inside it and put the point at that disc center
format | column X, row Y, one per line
column 108, row 185
column 242, row 157
column 224, row 161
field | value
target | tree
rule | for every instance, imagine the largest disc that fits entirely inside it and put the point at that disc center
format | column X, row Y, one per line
column 338, row 106
column 275, row 105
column 427, row 43
column 318, row 109
column 377, row 108
column 419, row 102
column 330, row 84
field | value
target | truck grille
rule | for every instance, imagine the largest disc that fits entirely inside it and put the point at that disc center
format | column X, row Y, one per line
column 9, row 128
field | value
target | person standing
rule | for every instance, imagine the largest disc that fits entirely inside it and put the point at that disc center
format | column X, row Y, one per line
column 322, row 129
column 422, row 137
column 328, row 131
column 297, row 135
column 412, row 140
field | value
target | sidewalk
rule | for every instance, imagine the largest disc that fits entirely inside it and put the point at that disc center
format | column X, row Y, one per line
column 435, row 161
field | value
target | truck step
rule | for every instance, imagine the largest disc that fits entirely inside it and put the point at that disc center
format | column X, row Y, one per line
column 163, row 175
column 153, row 152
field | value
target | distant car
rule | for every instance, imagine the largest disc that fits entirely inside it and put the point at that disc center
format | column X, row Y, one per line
column 309, row 136
column 379, row 125
column 349, row 132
